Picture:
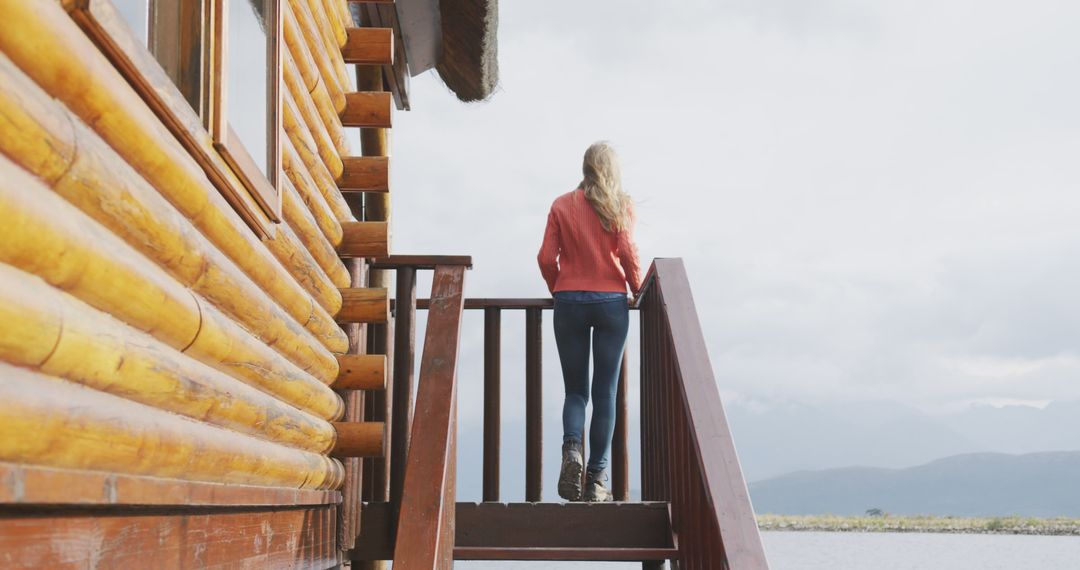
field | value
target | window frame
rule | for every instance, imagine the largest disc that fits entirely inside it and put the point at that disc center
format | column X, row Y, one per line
column 265, row 188
column 164, row 94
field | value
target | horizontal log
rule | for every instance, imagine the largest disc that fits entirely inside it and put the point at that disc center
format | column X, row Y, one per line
column 306, row 28
column 365, row 174
column 295, row 538
column 364, row 239
column 369, row 46
column 337, row 11
column 361, row 372
column 307, row 151
column 39, row 486
column 89, row 347
column 44, row 41
column 368, row 109
column 297, row 173
column 48, row 237
column 325, row 146
column 364, row 305
column 330, row 43
column 52, row 422
column 43, row 137
column 307, row 231
column 359, row 439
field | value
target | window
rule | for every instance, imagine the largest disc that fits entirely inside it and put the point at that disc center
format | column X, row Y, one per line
column 246, row 109
column 206, row 67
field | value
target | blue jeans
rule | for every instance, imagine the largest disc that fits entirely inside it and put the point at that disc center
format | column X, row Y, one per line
column 606, row 317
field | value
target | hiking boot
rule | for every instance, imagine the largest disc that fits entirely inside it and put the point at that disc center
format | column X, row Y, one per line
column 596, row 490
column 570, row 474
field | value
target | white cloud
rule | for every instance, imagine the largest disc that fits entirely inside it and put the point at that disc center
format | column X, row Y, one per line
column 874, row 200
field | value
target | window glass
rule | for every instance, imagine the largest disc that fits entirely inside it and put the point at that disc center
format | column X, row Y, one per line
column 248, row 98
column 136, row 13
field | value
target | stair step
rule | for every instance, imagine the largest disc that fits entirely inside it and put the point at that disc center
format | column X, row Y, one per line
column 540, row 531
column 564, row 554
column 563, row 531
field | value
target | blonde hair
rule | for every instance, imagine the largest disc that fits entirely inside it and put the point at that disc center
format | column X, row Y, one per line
column 603, row 187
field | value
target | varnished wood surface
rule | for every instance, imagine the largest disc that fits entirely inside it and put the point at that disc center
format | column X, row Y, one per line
column 89, row 85
column 48, row 141
column 305, row 23
column 359, row 439
column 364, row 305
column 369, row 46
column 420, row 261
column 89, row 347
column 365, row 174
column 54, row 423
column 425, row 532
column 364, row 239
column 29, row 485
column 688, row 454
column 372, row 109
column 299, row 538
column 361, row 372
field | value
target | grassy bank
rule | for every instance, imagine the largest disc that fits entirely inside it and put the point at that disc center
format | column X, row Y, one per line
column 894, row 523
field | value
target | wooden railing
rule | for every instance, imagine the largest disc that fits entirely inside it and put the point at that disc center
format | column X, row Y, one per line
column 688, row 455
column 425, row 534
column 493, row 309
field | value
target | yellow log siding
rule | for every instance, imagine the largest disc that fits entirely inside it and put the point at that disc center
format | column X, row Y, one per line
column 43, row 41
column 61, row 424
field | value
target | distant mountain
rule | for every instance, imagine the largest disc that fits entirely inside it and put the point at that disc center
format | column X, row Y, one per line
column 785, row 438
column 978, row 484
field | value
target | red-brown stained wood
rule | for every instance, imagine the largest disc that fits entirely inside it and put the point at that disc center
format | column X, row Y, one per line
column 534, row 410
column 421, row 261
column 361, row 372
column 492, row 400
column 692, row 461
column 364, row 239
column 292, row 538
column 368, row 109
column 364, row 305
column 365, row 174
column 426, row 522
column 369, row 46
column 564, row 525
column 359, row 439
column 620, row 457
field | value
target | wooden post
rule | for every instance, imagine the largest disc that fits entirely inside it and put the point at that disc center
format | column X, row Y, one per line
column 492, row 400
column 534, row 405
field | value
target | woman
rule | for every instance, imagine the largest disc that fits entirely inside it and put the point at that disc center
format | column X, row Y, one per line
column 588, row 258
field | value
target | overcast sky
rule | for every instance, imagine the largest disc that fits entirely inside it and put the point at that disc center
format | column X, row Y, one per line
column 874, row 200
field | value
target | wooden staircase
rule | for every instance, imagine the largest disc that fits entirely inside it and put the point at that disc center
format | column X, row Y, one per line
column 695, row 509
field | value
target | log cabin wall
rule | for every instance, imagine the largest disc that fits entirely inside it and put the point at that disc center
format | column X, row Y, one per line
column 169, row 335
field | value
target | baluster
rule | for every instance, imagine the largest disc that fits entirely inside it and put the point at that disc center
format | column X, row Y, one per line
column 492, row 399
column 620, row 466
column 534, row 403
column 404, row 362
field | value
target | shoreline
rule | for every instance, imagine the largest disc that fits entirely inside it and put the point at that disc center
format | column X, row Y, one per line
column 921, row 524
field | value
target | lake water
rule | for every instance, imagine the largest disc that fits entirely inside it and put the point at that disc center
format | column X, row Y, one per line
column 881, row 551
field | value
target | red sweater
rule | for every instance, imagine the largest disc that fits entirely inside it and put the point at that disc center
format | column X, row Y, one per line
column 578, row 254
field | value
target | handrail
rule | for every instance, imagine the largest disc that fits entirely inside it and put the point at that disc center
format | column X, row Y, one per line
column 688, row 455
column 425, row 532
